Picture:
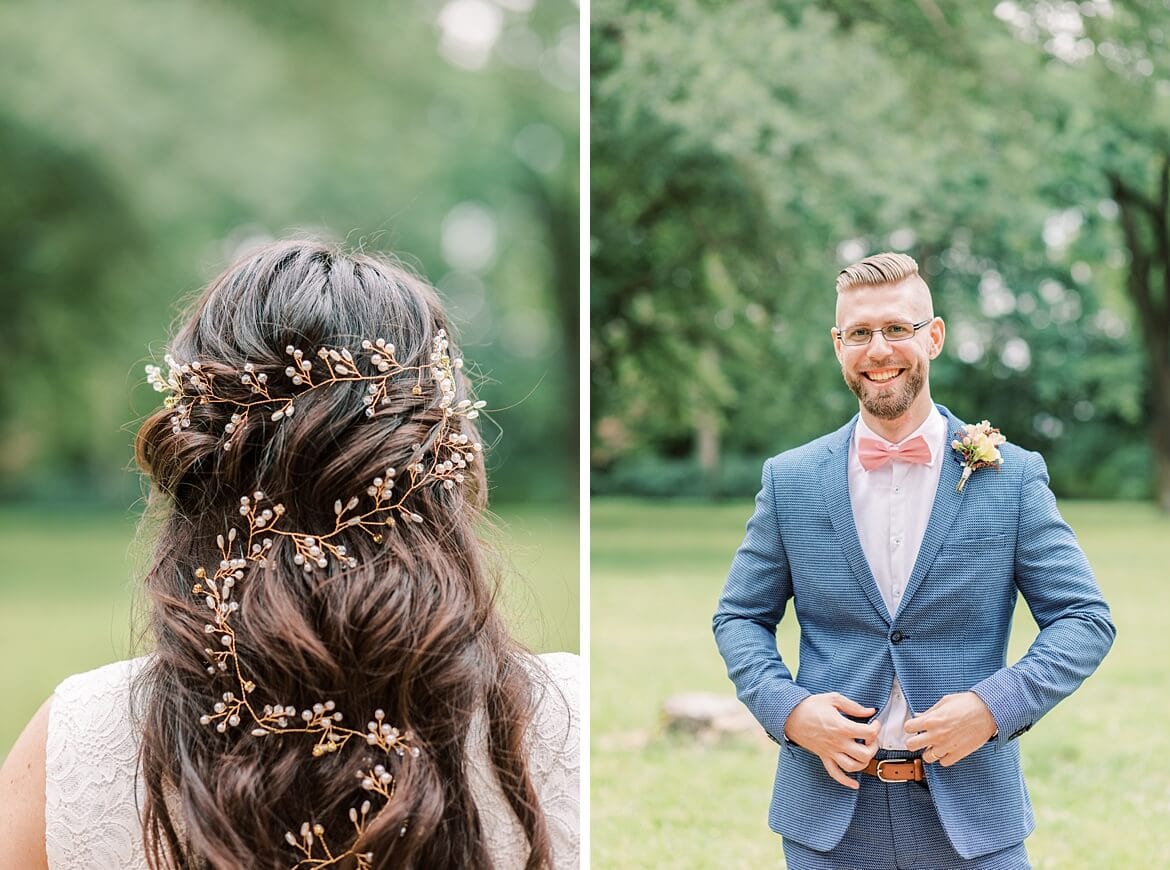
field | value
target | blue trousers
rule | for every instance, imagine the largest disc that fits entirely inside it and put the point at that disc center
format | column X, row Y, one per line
column 896, row 827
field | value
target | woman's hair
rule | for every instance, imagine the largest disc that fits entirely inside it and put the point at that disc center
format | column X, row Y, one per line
column 396, row 616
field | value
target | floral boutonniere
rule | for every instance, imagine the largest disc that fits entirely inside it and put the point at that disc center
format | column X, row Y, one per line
column 977, row 447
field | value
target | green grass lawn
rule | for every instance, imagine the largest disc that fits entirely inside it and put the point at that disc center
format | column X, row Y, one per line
column 1098, row 766
column 68, row 594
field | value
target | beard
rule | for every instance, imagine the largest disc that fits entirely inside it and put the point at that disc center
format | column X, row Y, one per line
column 887, row 403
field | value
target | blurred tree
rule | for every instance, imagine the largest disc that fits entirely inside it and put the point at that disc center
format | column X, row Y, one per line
column 445, row 130
column 867, row 126
column 67, row 231
column 1116, row 66
column 717, row 181
column 1089, row 82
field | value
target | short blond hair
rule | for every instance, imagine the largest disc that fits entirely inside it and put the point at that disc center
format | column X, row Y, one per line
column 876, row 271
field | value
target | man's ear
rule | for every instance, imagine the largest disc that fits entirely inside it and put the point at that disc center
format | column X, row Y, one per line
column 938, row 334
column 836, row 342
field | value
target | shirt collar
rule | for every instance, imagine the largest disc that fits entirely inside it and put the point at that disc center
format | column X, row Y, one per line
column 933, row 429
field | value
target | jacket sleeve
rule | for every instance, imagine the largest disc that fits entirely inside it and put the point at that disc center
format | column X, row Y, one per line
column 753, row 602
column 1076, row 630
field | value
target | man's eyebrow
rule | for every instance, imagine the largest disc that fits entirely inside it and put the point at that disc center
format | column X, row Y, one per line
column 869, row 324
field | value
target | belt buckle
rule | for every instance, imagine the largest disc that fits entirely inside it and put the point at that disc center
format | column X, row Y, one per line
column 885, row 761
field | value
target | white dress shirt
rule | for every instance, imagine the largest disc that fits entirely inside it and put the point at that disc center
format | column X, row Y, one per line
column 891, row 507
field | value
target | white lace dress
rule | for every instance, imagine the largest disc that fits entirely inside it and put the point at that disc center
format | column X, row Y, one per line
column 92, row 792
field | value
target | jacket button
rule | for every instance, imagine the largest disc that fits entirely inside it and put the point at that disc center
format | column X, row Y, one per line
column 896, row 637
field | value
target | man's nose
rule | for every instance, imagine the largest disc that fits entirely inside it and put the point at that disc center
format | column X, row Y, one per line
column 885, row 345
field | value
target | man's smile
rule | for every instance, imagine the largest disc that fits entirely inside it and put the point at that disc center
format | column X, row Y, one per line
column 881, row 376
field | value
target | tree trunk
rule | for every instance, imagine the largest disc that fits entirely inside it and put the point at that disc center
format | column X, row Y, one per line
column 708, row 448
column 1161, row 445
column 1145, row 224
column 708, row 422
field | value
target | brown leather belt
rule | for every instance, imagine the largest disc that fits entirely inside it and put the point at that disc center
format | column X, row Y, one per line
column 897, row 769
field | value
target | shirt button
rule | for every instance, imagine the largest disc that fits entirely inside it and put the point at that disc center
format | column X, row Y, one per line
column 897, row 637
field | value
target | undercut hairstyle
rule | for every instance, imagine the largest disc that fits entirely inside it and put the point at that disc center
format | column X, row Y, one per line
column 409, row 625
column 877, row 271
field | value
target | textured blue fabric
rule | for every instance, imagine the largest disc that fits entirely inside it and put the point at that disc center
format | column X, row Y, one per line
column 896, row 827
column 1001, row 535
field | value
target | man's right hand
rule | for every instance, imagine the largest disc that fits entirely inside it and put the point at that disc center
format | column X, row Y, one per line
column 818, row 724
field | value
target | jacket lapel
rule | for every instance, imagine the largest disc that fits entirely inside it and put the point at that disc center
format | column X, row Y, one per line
column 943, row 513
column 835, row 486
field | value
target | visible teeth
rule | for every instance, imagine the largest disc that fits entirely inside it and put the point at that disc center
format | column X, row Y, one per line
column 883, row 376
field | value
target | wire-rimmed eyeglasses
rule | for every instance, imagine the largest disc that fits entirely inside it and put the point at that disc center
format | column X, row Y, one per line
column 859, row 335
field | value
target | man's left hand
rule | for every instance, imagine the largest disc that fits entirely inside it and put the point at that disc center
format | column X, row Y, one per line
column 952, row 729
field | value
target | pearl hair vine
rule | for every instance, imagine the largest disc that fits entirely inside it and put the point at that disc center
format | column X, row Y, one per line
column 449, row 454
column 322, row 720
column 339, row 367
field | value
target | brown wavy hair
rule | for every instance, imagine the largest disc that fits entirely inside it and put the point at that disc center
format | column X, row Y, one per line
column 411, row 629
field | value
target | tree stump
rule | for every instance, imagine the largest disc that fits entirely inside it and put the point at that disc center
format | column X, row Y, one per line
column 709, row 717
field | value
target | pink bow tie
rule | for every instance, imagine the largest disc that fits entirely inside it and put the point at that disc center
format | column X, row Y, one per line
column 874, row 453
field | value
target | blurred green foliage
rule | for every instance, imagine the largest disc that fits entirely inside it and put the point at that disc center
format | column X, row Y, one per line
column 743, row 154
column 144, row 144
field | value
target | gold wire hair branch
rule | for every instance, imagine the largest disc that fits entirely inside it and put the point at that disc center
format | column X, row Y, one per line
column 377, row 780
column 321, row 720
column 443, row 459
column 451, row 457
column 313, row 836
column 449, row 452
column 193, row 383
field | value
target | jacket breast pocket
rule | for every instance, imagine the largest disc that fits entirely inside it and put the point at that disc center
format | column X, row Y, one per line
column 981, row 543
column 973, row 577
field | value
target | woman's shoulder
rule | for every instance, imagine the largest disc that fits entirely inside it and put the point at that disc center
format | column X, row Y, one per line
column 114, row 678
column 554, row 734
column 91, row 751
column 553, row 741
column 90, row 707
column 556, row 681
column 555, row 668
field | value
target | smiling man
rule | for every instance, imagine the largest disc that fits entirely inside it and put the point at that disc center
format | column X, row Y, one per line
column 902, row 540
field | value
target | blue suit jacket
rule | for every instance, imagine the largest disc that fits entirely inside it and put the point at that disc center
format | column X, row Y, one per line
column 1001, row 535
